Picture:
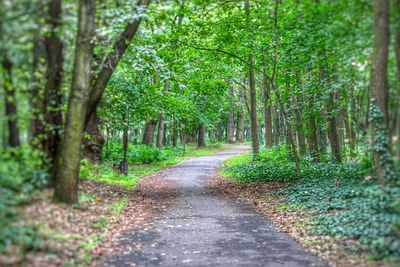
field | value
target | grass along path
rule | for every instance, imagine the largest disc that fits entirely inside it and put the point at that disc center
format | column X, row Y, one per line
column 105, row 173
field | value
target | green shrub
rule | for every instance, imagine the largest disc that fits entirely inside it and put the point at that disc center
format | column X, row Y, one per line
column 113, row 153
column 20, row 174
column 348, row 204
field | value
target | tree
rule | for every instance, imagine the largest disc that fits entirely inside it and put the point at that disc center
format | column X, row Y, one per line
column 66, row 188
column 379, row 94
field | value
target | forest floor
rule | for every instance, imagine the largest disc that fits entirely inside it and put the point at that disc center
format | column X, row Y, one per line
column 196, row 227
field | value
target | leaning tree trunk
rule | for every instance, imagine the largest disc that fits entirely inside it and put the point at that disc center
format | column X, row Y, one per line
column 113, row 58
column 66, row 187
column 379, row 94
column 10, row 102
column 201, row 136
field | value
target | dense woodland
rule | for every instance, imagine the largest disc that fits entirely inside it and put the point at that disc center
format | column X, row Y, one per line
column 313, row 85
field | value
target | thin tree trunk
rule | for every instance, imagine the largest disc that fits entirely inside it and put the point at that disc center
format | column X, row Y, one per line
column 10, row 102
column 333, row 135
column 201, row 137
column 37, row 98
column 66, row 187
column 53, row 89
column 268, row 138
column 231, row 120
column 174, row 132
column 160, row 133
column 240, row 123
column 276, row 125
column 379, row 93
column 312, row 133
column 253, row 108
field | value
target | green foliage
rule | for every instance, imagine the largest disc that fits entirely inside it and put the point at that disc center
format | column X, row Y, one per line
column 347, row 199
column 113, row 153
column 20, row 174
column 105, row 174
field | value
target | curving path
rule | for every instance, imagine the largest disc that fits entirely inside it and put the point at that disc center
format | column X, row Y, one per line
column 202, row 229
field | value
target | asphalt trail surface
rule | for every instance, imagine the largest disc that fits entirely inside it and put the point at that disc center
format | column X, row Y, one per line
column 202, row 229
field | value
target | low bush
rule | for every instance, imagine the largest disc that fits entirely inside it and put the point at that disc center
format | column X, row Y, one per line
column 21, row 173
column 113, row 153
column 345, row 197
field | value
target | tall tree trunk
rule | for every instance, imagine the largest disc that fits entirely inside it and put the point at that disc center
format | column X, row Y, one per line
column 239, row 122
column 148, row 134
column 66, row 187
column 276, row 125
column 253, row 108
column 231, row 120
column 53, row 89
column 379, row 93
column 10, row 102
column 239, row 127
column 268, row 138
column 37, row 93
column 160, row 133
column 161, row 122
column 299, row 127
column 174, row 132
column 289, row 131
column 333, row 135
column 253, row 93
column 312, row 133
column 201, row 137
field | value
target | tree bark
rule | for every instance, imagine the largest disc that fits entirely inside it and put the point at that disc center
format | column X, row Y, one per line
column 253, row 108
column 174, row 132
column 333, row 135
column 379, row 93
column 66, row 187
column 160, row 133
column 37, row 93
column 276, row 125
column 148, row 134
column 267, row 114
column 201, row 137
column 120, row 47
column 93, row 146
column 239, row 125
column 231, row 119
column 312, row 133
column 10, row 102
column 53, row 89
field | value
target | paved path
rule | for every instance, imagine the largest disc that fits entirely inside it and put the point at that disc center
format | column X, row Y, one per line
column 202, row 229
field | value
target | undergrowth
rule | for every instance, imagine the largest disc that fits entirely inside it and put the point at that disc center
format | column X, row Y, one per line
column 345, row 198
column 21, row 174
